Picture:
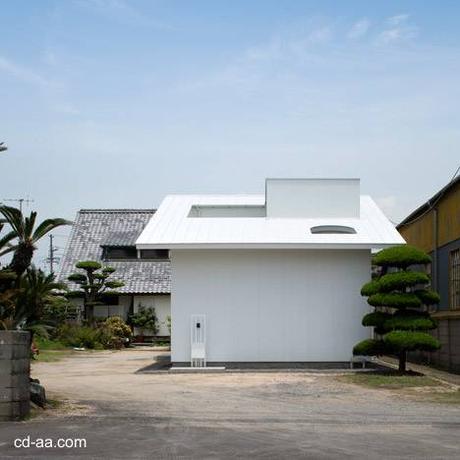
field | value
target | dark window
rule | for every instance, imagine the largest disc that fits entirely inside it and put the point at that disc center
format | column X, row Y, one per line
column 154, row 254
column 110, row 299
column 120, row 252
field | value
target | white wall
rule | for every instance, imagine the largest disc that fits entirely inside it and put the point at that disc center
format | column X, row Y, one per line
column 270, row 305
column 162, row 305
column 122, row 309
column 312, row 198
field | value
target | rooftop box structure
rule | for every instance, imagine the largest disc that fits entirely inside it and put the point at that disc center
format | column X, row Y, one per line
column 312, row 198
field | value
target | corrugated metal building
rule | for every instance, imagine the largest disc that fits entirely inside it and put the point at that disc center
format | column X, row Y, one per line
column 435, row 228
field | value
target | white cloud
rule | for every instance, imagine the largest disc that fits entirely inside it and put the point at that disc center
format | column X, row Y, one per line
column 399, row 29
column 22, row 73
column 66, row 109
column 359, row 29
column 320, row 35
column 397, row 19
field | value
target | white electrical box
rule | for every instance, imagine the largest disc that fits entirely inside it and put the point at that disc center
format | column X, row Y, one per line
column 198, row 341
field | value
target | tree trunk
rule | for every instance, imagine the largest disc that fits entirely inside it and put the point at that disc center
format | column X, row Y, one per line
column 21, row 260
column 402, row 361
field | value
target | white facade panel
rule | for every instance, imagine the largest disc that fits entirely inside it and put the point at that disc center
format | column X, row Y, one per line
column 122, row 309
column 270, row 305
column 312, row 198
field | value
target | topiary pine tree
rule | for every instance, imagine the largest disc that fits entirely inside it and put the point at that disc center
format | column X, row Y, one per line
column 401, row 298
column 94, row 285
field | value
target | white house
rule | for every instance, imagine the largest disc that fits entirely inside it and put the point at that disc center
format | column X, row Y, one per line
column 273, row 277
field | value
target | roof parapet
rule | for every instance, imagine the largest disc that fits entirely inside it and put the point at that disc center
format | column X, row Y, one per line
column 312, row 198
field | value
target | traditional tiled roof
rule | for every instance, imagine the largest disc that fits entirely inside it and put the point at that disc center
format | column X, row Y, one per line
column 94, row 228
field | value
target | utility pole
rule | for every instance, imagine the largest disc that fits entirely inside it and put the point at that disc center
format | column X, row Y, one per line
column 21, row 201
column 51, row 255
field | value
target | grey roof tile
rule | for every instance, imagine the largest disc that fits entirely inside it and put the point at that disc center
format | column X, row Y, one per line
column 94, row 228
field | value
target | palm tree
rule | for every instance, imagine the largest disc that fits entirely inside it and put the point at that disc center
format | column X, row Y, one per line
column 5, row 239
column 26, row 234
column 37, row 292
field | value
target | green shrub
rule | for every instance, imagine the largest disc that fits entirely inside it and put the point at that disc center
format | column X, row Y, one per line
column 401, row 280
column 370, row 347
column 145, row 319
column 411, row 340
column 376, row 319
column 401, row 256
column 372, row 287
column 394, row 300
column 80, row 336
column 409, row 323
column 46, row 344
column 88, row 265
column 427, row 297
column 116, row 332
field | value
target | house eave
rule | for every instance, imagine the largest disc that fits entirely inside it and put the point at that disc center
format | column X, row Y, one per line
column 310, row 246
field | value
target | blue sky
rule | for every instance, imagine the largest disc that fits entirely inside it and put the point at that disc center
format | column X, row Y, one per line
column 115, row 103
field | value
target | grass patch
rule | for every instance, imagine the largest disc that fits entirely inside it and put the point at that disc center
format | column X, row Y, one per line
column 50, row 356
column 452, row 397
column 46, row 344
column 390, row 381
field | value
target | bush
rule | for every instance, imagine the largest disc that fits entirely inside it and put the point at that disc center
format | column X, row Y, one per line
column 370, row 347
column 409, row 323
column 376, row 319
column 394, row 300
column 410, row 340
column 80, row 336
column 372, row 287
column 116, row 332
column 401, row 256
column 88, row 265
column 428, row 297
column 145, row 319
column 401, row 280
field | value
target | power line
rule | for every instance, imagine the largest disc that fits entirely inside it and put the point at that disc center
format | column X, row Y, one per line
column 21, row 201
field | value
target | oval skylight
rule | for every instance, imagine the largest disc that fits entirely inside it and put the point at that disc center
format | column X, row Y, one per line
column 332, row 229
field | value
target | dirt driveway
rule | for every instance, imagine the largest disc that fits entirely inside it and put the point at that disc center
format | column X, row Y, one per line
column 124, row 414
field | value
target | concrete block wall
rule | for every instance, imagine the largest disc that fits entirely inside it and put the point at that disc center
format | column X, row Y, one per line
column 14, row 375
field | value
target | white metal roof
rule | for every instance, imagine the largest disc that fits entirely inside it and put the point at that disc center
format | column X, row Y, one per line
column 171, row 227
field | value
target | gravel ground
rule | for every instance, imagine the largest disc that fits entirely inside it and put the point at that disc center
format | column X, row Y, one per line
column 124, row 414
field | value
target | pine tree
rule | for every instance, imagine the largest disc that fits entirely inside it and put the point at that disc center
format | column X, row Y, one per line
column 401, row 297
column 93, row 284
